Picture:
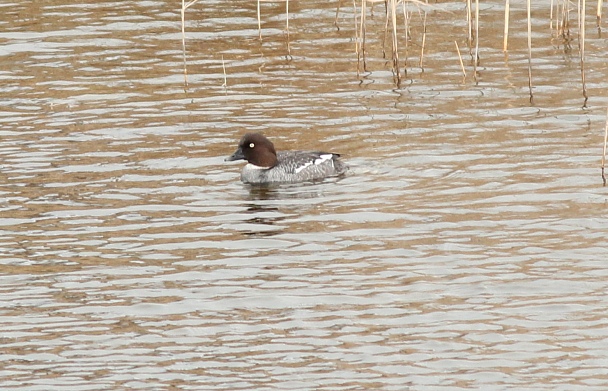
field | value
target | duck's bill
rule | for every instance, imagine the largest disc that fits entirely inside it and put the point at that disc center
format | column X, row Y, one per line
column 238, row 155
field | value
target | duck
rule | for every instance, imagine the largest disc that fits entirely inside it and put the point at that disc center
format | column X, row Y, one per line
column 265, row 165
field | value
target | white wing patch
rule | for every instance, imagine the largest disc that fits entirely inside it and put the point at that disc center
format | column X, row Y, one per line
column 324, row 158
column 251, row 166
column 320, row 160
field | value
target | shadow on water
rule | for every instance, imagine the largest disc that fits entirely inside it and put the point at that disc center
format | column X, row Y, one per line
column 273, row 204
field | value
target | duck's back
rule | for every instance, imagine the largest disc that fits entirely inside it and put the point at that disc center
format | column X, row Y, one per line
column 297, row 166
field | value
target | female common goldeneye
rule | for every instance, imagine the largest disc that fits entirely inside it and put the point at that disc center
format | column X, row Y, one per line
column 265, row 165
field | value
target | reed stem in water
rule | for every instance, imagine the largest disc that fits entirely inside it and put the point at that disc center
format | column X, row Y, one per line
column 506, row 32
column 529, row 50
column 581, row 21
column 464, row 73
column 185, row 6
column 604, row 151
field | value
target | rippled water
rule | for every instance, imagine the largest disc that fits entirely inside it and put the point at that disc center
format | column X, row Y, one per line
column 465, row 249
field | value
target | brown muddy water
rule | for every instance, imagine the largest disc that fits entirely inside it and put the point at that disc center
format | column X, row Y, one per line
column 466, row 249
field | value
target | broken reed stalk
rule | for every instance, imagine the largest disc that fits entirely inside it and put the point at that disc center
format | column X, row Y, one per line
column 423, row 41
column 604, row 150
column 362, row 28
column 476, row 40
column 337, row 11
column 469, row 25
column 529, row 50
column 558, row 17
column 464, row 73
column 362, row 32
column 259, row 12
column 578, row 19
column 287, row 16
column 599, row 12
column 357, row 38
column 565, row 19
column 582, row 10
column 287, row 26
column 385, row 31
column 224, row 68
column 406, row 18
column 185, row 6
column 259, row 22
column 393, row 9
column 506, row 32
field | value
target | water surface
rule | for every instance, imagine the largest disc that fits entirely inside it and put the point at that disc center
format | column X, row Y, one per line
column 464, row 250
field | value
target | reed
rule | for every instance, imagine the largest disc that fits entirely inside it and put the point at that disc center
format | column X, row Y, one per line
column 581, row 44
column 361, row 51
column 559, row 12
column 423, row 41
column 224, row 69
column 337, row 12
column 529, row 50
column 392, row 6
column 604, row 151
column 476, row 60
column 464, row 72
column 287, row 16
column 386, row 19
column 287, row 27
column 406, row 27
column 185, row 6
column 469, row 24
column 357, row 37
column 259, row 15
column 564, row 28
column 259, row 21
column 506, row 32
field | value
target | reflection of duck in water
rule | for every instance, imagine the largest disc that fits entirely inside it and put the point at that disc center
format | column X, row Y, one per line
column 265, row 165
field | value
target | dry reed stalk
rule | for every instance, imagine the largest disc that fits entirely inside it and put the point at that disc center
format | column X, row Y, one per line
column 469, row 25
column 581, row 19
column 362, row 32
column 337, row 11
column 259, row 11
column 551, row 15
column 529, row 50
column 464, row 73
column 558, row 18
column 185, row 6
column 224, row 68
column 565, row 19
column 506, row 33
column 406, row 16
column 476, row 62
column 386, row 14
column 423, row 41
column 604, row 151
column 287, row 26
column 406, row 19
column 393, row 10
column 259, row 22
column 357, row 38
column 599, row 12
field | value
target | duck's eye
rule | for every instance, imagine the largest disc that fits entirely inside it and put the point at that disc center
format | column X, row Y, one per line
column 251, row 145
